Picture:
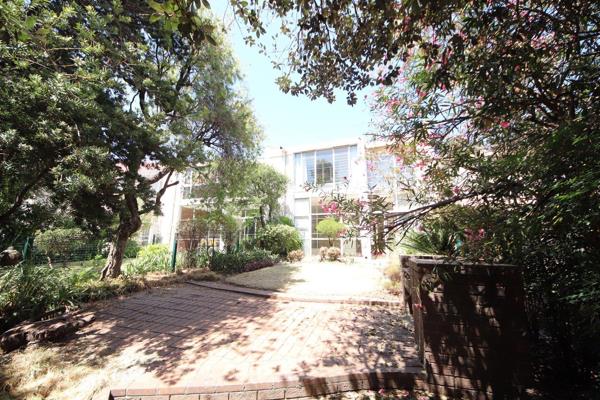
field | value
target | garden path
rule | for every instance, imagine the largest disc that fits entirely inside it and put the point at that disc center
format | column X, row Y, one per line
column 362, row 279
column 189, row 336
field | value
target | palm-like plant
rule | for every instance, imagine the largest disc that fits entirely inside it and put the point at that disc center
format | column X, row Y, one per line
column 438, row 238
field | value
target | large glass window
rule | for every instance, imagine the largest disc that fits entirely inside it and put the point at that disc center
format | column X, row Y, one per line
column 324, row 166
column 318, row 240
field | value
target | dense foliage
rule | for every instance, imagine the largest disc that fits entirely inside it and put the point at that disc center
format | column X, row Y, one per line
column 60, row 243
column 241, row 261
column 332, row 228
column 279, row 239
column 115, row 97
column 493, row 105
column 29, row 292
column 151, row 258
column 243, row 186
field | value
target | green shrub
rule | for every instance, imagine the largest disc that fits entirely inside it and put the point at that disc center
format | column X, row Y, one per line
column 279, row 239
column 63, row 244
column 241, row 261
column 192, row 259
column 151, row 258
column 132, row 249
column 295, row 255
column 284, row 220
column 331, row 228
column 28, row 291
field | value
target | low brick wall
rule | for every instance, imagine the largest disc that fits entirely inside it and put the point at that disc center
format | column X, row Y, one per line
column 469, row 326
column 407, row 378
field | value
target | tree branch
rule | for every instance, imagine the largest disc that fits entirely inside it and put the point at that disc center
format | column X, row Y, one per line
column 20, row 198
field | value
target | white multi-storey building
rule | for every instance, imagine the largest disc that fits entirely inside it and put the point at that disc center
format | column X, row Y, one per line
column 353, row 166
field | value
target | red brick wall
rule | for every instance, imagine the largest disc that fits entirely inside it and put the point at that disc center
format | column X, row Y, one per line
column 470, row 327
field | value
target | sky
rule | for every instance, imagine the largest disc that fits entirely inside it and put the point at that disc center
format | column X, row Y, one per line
column 291, row 120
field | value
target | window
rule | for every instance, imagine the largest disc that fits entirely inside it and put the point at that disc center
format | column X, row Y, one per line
column 319, row 240
column 380, row 171
column 342, row 167
column 308, row 164
column 324, row 166
column 192, row 186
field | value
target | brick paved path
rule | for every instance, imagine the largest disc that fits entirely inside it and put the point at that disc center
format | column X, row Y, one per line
column 192, row 336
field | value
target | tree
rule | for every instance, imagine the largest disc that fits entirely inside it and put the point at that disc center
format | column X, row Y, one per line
column 265, row 186
column 331, row 228
column 243, row 185
column 495, row 105
column 116, row 97
column 70, row 63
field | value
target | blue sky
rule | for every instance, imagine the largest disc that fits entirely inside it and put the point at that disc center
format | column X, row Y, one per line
column 292, row 120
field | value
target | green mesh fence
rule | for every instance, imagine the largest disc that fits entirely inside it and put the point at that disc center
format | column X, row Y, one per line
column 76, row 252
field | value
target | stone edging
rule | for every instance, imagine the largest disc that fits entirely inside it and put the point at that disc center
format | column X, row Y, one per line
column 44, row 330
column 283, row 296
column 407, row 378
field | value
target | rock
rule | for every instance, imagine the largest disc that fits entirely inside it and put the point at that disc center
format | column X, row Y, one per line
column 10, row 257
column 51, row 329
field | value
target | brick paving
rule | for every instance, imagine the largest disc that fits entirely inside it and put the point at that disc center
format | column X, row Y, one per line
column 188, row 337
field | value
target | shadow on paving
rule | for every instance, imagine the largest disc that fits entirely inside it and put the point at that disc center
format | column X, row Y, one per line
column 192, row 336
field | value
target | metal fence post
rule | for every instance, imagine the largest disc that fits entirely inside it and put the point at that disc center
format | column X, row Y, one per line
column 26, row 248
column 174, row 255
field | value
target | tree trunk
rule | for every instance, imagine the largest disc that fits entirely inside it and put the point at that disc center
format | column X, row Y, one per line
column 129, row 223
column 261, row 211
column 112, row 269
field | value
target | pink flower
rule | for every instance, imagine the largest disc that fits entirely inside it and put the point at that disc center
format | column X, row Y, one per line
column 403, row 393
column 381, row 392
column 504, row 124
column 456, row 190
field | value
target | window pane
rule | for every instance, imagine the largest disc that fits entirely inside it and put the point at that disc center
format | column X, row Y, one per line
column 342, row 172
column 301, row 208
column 353, row 154
column 380, row 171
column 308, row 165
column 324, row 166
